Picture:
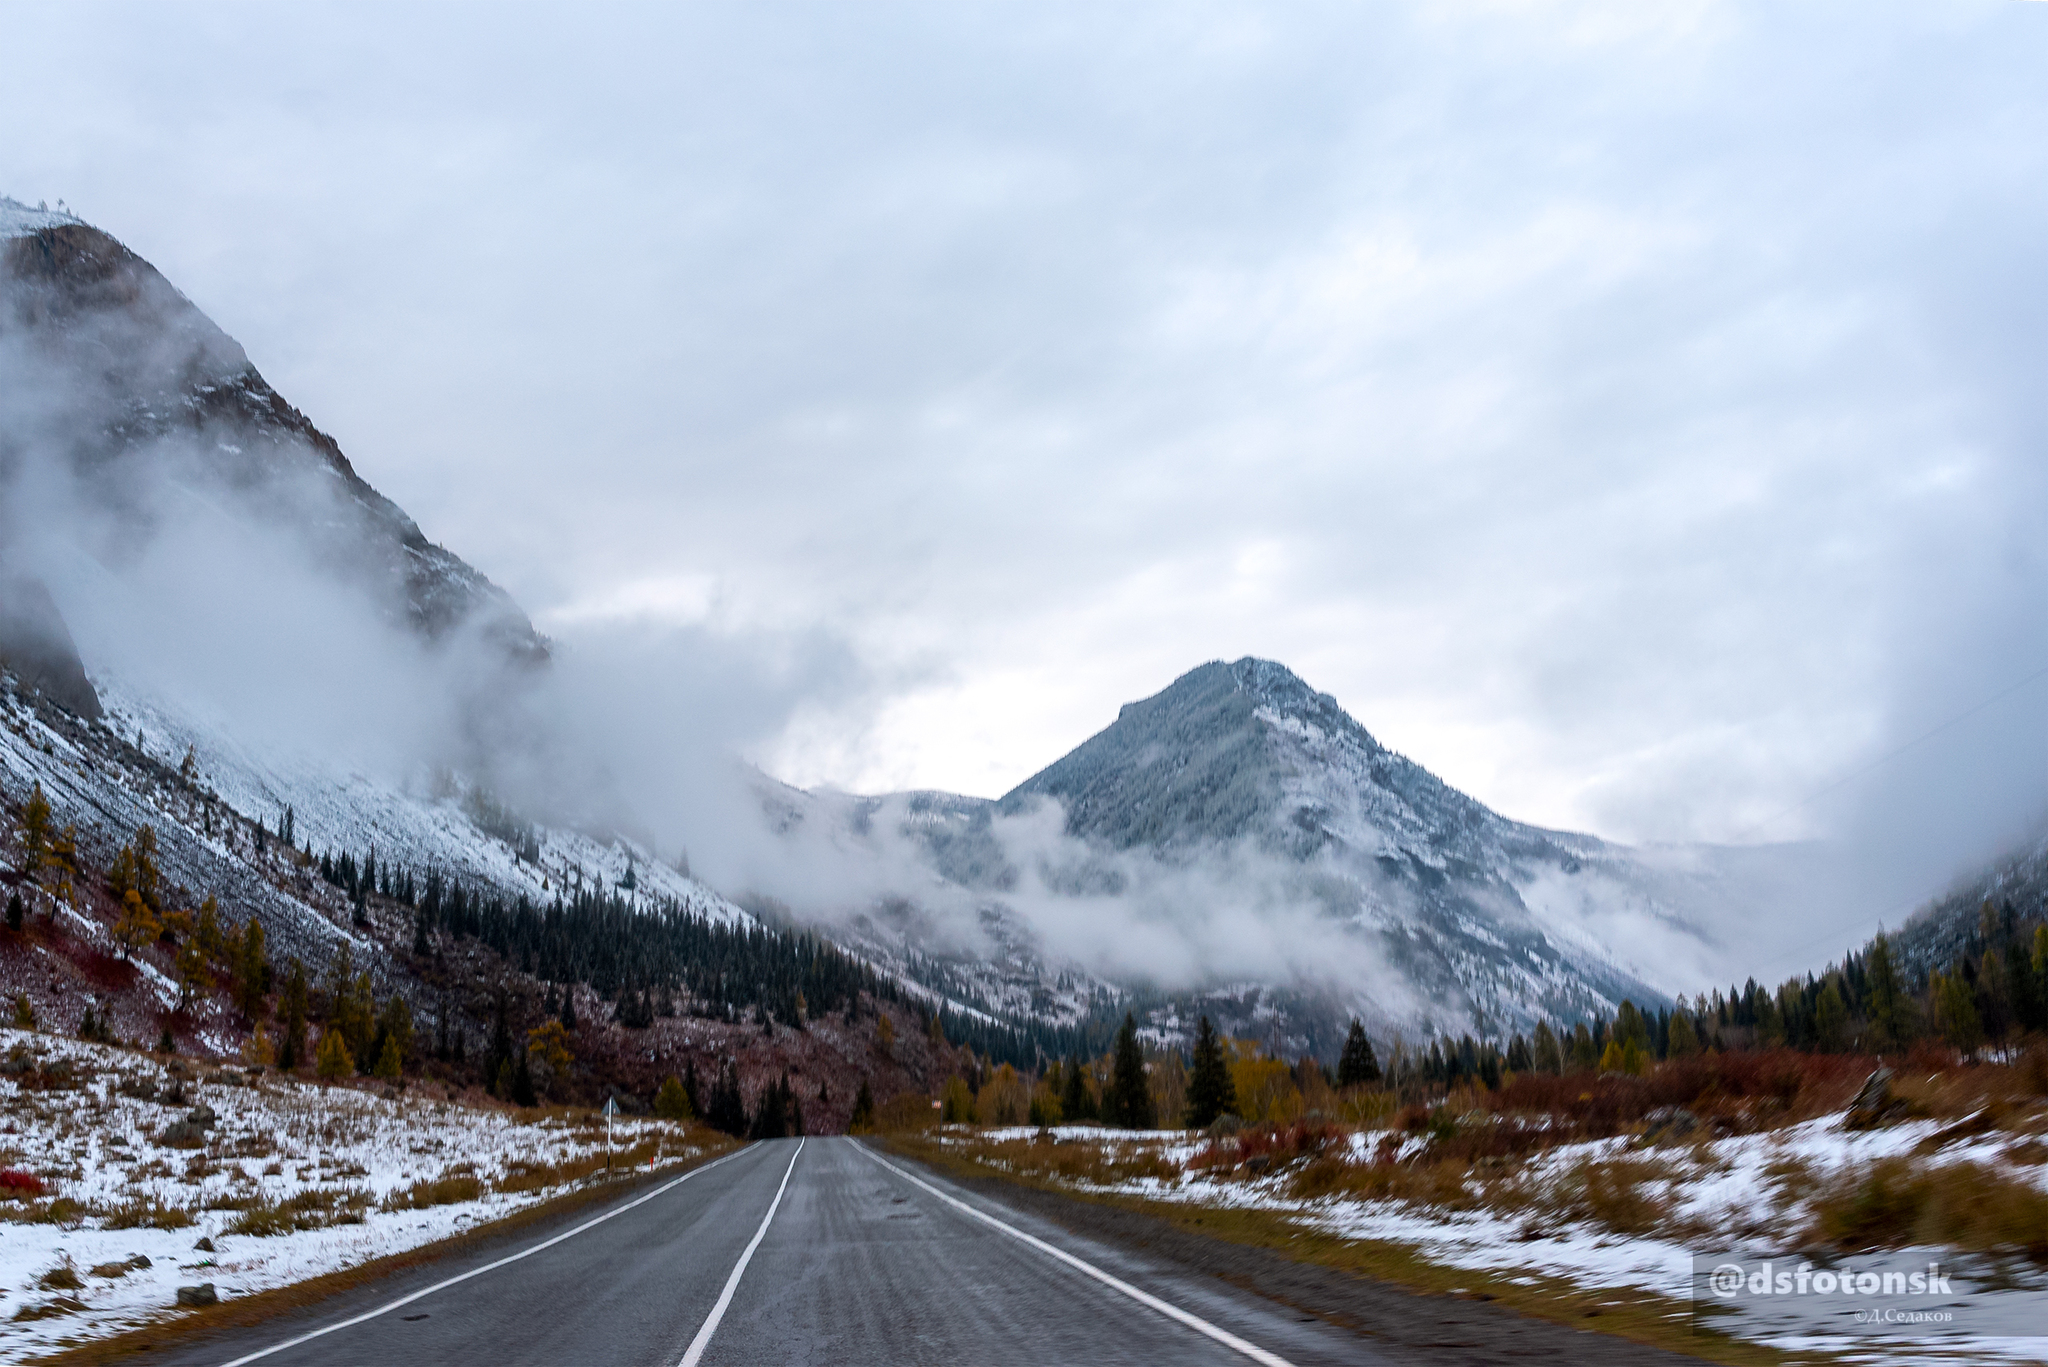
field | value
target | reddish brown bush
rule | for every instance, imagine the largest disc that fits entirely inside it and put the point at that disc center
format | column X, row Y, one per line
column 15, row 1182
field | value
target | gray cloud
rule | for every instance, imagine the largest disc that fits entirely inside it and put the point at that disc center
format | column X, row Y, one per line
column 1632, row 414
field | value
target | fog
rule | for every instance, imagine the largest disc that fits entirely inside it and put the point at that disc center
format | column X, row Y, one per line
column 1632, row 414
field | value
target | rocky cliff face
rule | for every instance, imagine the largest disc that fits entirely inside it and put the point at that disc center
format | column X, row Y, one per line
column 115, row 379
column 37, row 649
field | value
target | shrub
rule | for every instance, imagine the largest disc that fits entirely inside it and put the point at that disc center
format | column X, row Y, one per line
column 1896, row 1203
column 16, row 1184
column 308, row 1210
column 148, row 1214
column 446, row 1190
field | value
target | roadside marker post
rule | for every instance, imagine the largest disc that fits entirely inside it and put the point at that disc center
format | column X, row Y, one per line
column 611, row 1108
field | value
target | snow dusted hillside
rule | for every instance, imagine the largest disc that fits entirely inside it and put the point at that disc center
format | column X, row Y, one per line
column 111, row 777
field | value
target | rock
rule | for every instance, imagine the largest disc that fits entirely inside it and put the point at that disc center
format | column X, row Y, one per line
column 182, row 1134
column 196, row 1297
column 111, row 1270
column 1668, row 1122
column 1223, row 1126
column 138, row 1263
column 38, row 647
column 1874, row 1105
column 201, row 1115
column 203, row 1246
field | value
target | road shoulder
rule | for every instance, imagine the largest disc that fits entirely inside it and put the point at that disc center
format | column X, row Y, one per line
column 1401, row 1304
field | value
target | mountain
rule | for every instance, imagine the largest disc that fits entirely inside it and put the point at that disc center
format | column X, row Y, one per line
column 126, row 412
column 1236, row 844
column 1294, row 871
column 1950, row 925
column 120, row 382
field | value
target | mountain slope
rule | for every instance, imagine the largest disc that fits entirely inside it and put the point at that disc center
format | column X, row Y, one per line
column 122, row 382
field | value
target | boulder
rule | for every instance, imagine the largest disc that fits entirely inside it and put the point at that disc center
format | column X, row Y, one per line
column 197, row 1297
column 1669, row 1123
column 182, row 1134
column 1874, row 1105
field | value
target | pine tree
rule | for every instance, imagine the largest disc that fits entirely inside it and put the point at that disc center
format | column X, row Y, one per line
column 1356, row 1066
column 500, row 1056
column 334, row 1061
column 690, row 1091
column 137, row 926
column 1520, row 1059
column 1547, row 1053
column 296, row 998
column 863, row 1108
column 1211, row 1090
column 728, row 1109
column 1682, row 1041
column 1830, row 1021
column 1129, row 1101
column 1955, row 1007
column 672, row 1102
column 251, row 971
column 522, row 1081
column 14, row 911
column 35, row 832
column 1077, row 1103
column 390, row 1063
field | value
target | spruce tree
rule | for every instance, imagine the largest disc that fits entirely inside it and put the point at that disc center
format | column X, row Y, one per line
column 251, row 970
column 14, row 911
column 1830, row 1021
column 1211, row 1090
column 1129, row 1102
column 1357, row 1067
column 522, row 1082
column 863, row 1107
column 1077, row 1103
column 296, row 995
column 690, row 1089
column 1684, row 1041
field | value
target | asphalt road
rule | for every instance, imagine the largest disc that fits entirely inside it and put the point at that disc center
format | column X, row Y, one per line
column 814, row 1251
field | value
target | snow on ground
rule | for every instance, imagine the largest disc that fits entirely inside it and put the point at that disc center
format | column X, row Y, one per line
column 1728, row 1195
column 333, row 1157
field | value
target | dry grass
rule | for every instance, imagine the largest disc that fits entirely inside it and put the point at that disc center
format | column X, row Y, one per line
column 1091, row 1164
column 147, row 1214
column 315, row 1209
column 446, row 1190
column 1897, row 1203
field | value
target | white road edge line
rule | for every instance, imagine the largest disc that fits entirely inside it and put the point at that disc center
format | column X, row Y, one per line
column 1145, row 1298
column 703, row 1339
column 477, row 1272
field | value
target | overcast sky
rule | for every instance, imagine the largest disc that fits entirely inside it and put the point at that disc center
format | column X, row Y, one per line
column 1632, row 411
